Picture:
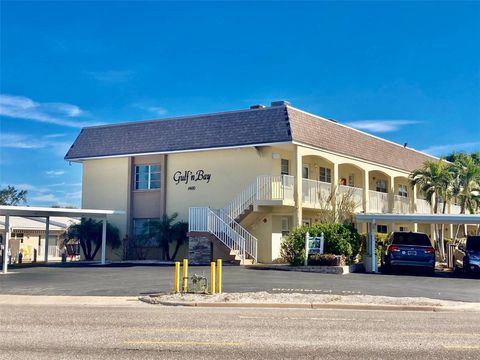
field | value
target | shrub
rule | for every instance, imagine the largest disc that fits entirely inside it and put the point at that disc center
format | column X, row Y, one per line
column 339, row 240
column 380, row 239
column 327, row 260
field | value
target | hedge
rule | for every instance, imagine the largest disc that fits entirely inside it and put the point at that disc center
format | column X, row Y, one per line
column 339, row 240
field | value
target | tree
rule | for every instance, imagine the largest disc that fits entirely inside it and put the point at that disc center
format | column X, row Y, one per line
column 435, row 181
column 165, row 231
column 89, row 233
column 12, row 196
column 466, row 184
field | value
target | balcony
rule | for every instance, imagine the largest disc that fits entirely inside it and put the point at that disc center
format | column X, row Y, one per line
column 275, row 190
column 401, row 205
column 356, row 195
column 378, row 201
column 455, row 209
column 423, row 207
column 316, row 194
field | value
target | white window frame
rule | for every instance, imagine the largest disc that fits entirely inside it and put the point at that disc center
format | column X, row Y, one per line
column 402, row 190
column 327, row 178
column 282, row 163
column 149, row 179
column 305, row 170
column 379, row 188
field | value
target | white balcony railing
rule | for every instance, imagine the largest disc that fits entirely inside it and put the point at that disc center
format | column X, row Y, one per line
column 423, row 207
column 356, row 194
column 378, row 201
column 455, row 209
column 401, row 205
column 275, row 187
column 315, row 194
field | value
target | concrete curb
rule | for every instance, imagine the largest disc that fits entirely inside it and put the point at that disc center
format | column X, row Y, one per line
column 377, row 307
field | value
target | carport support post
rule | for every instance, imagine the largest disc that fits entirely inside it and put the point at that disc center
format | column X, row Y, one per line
column 47, row 235
column 104, row 240
column 5, row 244
column 372, row 246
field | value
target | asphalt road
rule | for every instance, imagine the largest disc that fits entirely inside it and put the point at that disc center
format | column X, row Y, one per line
column 136, row 280
column 149, row 331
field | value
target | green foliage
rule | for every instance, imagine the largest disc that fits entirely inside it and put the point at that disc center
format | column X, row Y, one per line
column 327, row 260
column 12, row 196
column 164, row 231
column 89, row 233
column 339, row 240
column 380, row 240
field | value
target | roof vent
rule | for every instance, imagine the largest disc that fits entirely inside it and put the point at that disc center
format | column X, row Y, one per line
column 280, row 103
column 257, row 106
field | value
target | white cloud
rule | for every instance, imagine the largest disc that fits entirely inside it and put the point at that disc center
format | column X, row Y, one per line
column 111, row 76
column 439, row 150
column 23, row 141
column 20, row 107
column 45, row 198
column 157, row 110
column 381, row 126
column 19, row 141
column 55, row 172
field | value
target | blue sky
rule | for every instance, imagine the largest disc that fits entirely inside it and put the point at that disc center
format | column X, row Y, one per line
column 406, row 71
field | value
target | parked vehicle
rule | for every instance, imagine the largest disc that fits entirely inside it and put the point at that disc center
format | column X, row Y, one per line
column 467, row 255
column 408, row 249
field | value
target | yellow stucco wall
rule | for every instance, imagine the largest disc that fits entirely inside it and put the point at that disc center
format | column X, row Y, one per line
column 105, row 185
column 231, row 172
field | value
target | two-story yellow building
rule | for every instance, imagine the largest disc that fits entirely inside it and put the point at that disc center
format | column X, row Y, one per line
column 242, row 179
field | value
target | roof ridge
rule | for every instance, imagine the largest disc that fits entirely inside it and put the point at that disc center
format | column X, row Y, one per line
column 362, row 132
column 181, row 117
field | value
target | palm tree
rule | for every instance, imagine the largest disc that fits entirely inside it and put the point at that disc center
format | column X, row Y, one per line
column 89, row 233
column 434, row 179
column 165, row 231
column 467, row 185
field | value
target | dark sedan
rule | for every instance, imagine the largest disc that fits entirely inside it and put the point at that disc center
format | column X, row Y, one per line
column 408, row 249
column 467, row 255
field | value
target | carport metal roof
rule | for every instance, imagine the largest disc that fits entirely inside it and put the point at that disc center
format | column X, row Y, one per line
column 371, row 219
column 46, row 212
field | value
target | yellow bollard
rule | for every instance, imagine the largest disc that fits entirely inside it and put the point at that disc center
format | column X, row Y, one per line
column 219, row 276
column 176, row 282
column 185, row 275
column 212, row 277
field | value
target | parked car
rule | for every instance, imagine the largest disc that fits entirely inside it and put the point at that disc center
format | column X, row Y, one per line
column 467, row 255
column 408, row 249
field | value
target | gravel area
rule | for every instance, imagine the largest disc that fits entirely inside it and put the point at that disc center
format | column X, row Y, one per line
column 263, row 297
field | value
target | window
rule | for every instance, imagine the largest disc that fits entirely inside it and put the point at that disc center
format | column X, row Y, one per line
column 381, row 185
column 351, row 180
column 284, row 167
column 403, row 228
column 402, row 190
column 285, row 227
column 147, row 177
column 144, row 232
column 306, row 222
column 325, row 175
column 305, row 171
column 382, row 229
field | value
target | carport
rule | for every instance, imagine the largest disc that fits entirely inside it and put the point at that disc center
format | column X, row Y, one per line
column 372, row 219
column 46, row 212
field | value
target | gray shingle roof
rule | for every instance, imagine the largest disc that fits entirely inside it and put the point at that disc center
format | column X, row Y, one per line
column 276, row 124
column 236, row 128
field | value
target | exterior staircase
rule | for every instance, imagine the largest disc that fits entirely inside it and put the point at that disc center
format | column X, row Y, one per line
column 224, row 224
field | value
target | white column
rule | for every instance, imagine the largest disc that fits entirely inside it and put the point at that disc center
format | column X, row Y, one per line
column 366, row 189
column 297, row 172
column 47, row 235
column 335, row 177
column 104, row 239
column 5, row 243
column 391, row 194
column 414, row 199
column 372, row 246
